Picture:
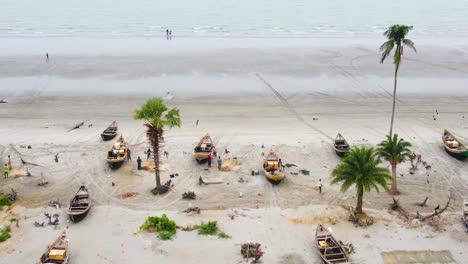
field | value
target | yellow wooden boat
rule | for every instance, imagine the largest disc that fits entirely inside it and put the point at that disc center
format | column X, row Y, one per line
column 57, row 252
column 117, row 153
column 273, row 168
column 203, row 148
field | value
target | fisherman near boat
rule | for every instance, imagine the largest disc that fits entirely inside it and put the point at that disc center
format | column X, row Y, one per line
column 80, row 205
column 453, row 146
column 330, row 250
column 341, row 145
column 117, row 154
column 203, row 148
column 57, row 252
column 273, row 168
column 110, row 132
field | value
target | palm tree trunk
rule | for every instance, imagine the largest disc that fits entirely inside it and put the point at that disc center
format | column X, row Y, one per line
column 156, row 160
column 394, row 189
column 360, row 193
column 394, row 98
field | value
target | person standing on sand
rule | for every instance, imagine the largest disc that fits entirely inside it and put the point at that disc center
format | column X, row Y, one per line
column 6, row 170
column 320, row 185
column 129, row 157
column 219, row 163
column 170, row 34
column 47, row 56
column 209, row 160
column 9, row 163
column 197, row 123
column 167, row 34
column 139, row 163
column 148, row 154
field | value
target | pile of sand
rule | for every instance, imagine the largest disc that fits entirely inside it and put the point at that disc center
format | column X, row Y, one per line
column 230, row 165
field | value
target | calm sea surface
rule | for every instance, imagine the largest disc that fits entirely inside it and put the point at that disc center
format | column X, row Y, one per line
column 230, row 18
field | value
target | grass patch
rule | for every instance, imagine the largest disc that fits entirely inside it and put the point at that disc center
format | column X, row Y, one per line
column 223, row 235
column 209, row 228
column 304, row 172
column 4, row 234
column 13, row 220
column 289, row 165
column 4, row 200
column 161, row 224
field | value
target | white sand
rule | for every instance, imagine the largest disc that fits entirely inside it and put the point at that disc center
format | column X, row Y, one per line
column 270, row 98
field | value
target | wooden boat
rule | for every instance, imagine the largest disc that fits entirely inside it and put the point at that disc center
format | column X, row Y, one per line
column 117, row 153
column 272, row 167
column 57, row 252
column 110, row 132
column 330, row 250
column 341, row 145
column 80, row 205
column 453, row 146
column 203, row 148
column 465, row 212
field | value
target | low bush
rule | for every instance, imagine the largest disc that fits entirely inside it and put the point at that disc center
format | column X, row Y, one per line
column 4, row 234
column 161, row 224
column 209, row 228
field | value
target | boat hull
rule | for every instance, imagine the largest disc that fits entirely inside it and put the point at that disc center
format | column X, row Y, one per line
column 274, row 179
column 115, row 164
column 457, row 155
column 75, row 218
column 341, row 153
column 201, row 156
column 107, row 137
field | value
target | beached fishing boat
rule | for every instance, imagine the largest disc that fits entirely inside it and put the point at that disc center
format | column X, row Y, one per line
column 341, row 145
column 465, row 212
column 110, row 132
column 117, row 154
column 203, row 148
column 80, row 205
column 57, row 252
column 273, row 168
column 453, row 146
column 330, row 250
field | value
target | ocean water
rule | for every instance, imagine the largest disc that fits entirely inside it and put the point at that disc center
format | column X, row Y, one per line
column 229, row 18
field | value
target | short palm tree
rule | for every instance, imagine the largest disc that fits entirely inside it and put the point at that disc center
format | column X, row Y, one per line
column 157, row 117
column 360, row 167
column 395, row 151
column 396, row 36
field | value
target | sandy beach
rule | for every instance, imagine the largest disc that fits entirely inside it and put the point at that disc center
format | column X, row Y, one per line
column 291, row 96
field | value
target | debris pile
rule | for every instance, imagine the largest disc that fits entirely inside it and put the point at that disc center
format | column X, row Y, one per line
column 189, row 195
column 251, row 250
column 129, row 194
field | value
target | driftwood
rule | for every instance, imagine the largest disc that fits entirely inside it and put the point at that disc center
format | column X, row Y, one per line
column 437, row 210
column 202, row 182
column 37, row 224
column 423, row 204
column 76, row 126
column 23, row 161
column 3, row 101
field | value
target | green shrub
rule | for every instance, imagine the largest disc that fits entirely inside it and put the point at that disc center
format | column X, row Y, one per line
column 4, row 234
column 13, row 220
column 163, row 225
column 223, row 235
column 210, row 228
column 4, row 200
column 305, row 172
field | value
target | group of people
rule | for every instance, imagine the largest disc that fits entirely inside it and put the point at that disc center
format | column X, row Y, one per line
column 215, row 153
column 168, row 34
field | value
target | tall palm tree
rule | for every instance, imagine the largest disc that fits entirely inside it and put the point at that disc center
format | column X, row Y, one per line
column 360, row 167
column 396, row 36
column 395, row 151
column 157, row 117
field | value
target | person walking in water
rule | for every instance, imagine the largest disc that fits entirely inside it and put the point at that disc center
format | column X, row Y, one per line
column 167, row 34
column 219, row 163
column 197, row 123
column 139, row 163
column 6, row 170
column 209, row 160
column 148, row 154
column 47, row 56
column 129, row 157
column 170, row 34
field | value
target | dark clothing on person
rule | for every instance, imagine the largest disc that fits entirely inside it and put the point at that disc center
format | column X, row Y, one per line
column 139, row 163
column 129, row 157
column 148, row 154
column 219, row 163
